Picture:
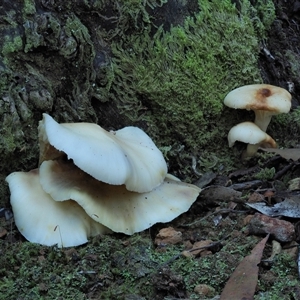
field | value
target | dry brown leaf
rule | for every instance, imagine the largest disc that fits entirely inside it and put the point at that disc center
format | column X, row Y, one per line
column 225, row 194
column 243, row 281
column 3, row 232
column 287, row 154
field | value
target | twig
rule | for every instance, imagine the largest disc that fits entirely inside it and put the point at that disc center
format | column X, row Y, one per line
column 280, row 173
column 194, row 166
column 224, row 210
column 212, row 245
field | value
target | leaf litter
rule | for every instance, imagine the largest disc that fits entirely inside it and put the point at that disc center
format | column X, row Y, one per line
column 288, row 153
column 243, row 281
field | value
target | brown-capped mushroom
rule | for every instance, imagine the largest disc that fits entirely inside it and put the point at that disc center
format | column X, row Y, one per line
column 264, row 99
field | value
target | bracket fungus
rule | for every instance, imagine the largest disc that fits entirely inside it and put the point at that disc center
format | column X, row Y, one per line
column 91, row 181
column 44, row 221
column 264, row 99
column 250, row 133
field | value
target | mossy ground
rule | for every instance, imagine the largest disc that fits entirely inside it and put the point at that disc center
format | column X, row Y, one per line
column 122, row 267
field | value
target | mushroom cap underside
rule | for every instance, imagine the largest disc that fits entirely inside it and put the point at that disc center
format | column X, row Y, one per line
column 114, row 206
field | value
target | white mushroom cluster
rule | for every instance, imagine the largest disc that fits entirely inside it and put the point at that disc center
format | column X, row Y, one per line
column 265, row 100
column 91, row 181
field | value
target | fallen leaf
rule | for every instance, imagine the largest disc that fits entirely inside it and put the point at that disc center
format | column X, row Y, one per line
column 225, row 194
column 205, row 179
column 3, row 232
column 294, row 184
column 6, row 213
column 243, row 281
column 256, row 197
column 276, row 249
column 290, row 207
column 204, row 290
column 293, row 153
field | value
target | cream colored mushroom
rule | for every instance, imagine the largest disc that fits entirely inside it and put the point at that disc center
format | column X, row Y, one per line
column 250, row 133
column 127, row 156
column 114, row 206
column 42, row 220
column 264, row 99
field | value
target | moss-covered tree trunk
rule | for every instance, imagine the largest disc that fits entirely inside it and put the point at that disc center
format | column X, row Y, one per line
column 160, row 65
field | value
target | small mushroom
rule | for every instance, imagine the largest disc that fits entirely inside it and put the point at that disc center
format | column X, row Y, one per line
column 250, row 133
column 126, row 156
column 42, row 220
column 264, row 99
column 113, row 205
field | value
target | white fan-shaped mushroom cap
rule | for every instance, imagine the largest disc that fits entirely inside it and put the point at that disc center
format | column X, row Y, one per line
column 42, row 220
column 127, row 156
column 115, row 206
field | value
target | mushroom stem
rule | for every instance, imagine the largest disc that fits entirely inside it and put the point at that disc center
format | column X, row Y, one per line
column 250, row 151
column 262, row 119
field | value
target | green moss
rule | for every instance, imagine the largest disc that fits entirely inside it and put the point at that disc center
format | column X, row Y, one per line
column 4, row 80
column 29, row 7
column 263, row 16
column 136, row 13
column 76, row 28
column 33, row 271
column 7, row 141
column 175, row 81
column 281, row 284
column 294, row 63
column 296, row 115
column 12, row 44
column 214, row 270
column 169, row 79
column 12, row 142
column 10, row 133
column 266, row 174
column 117, row 266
